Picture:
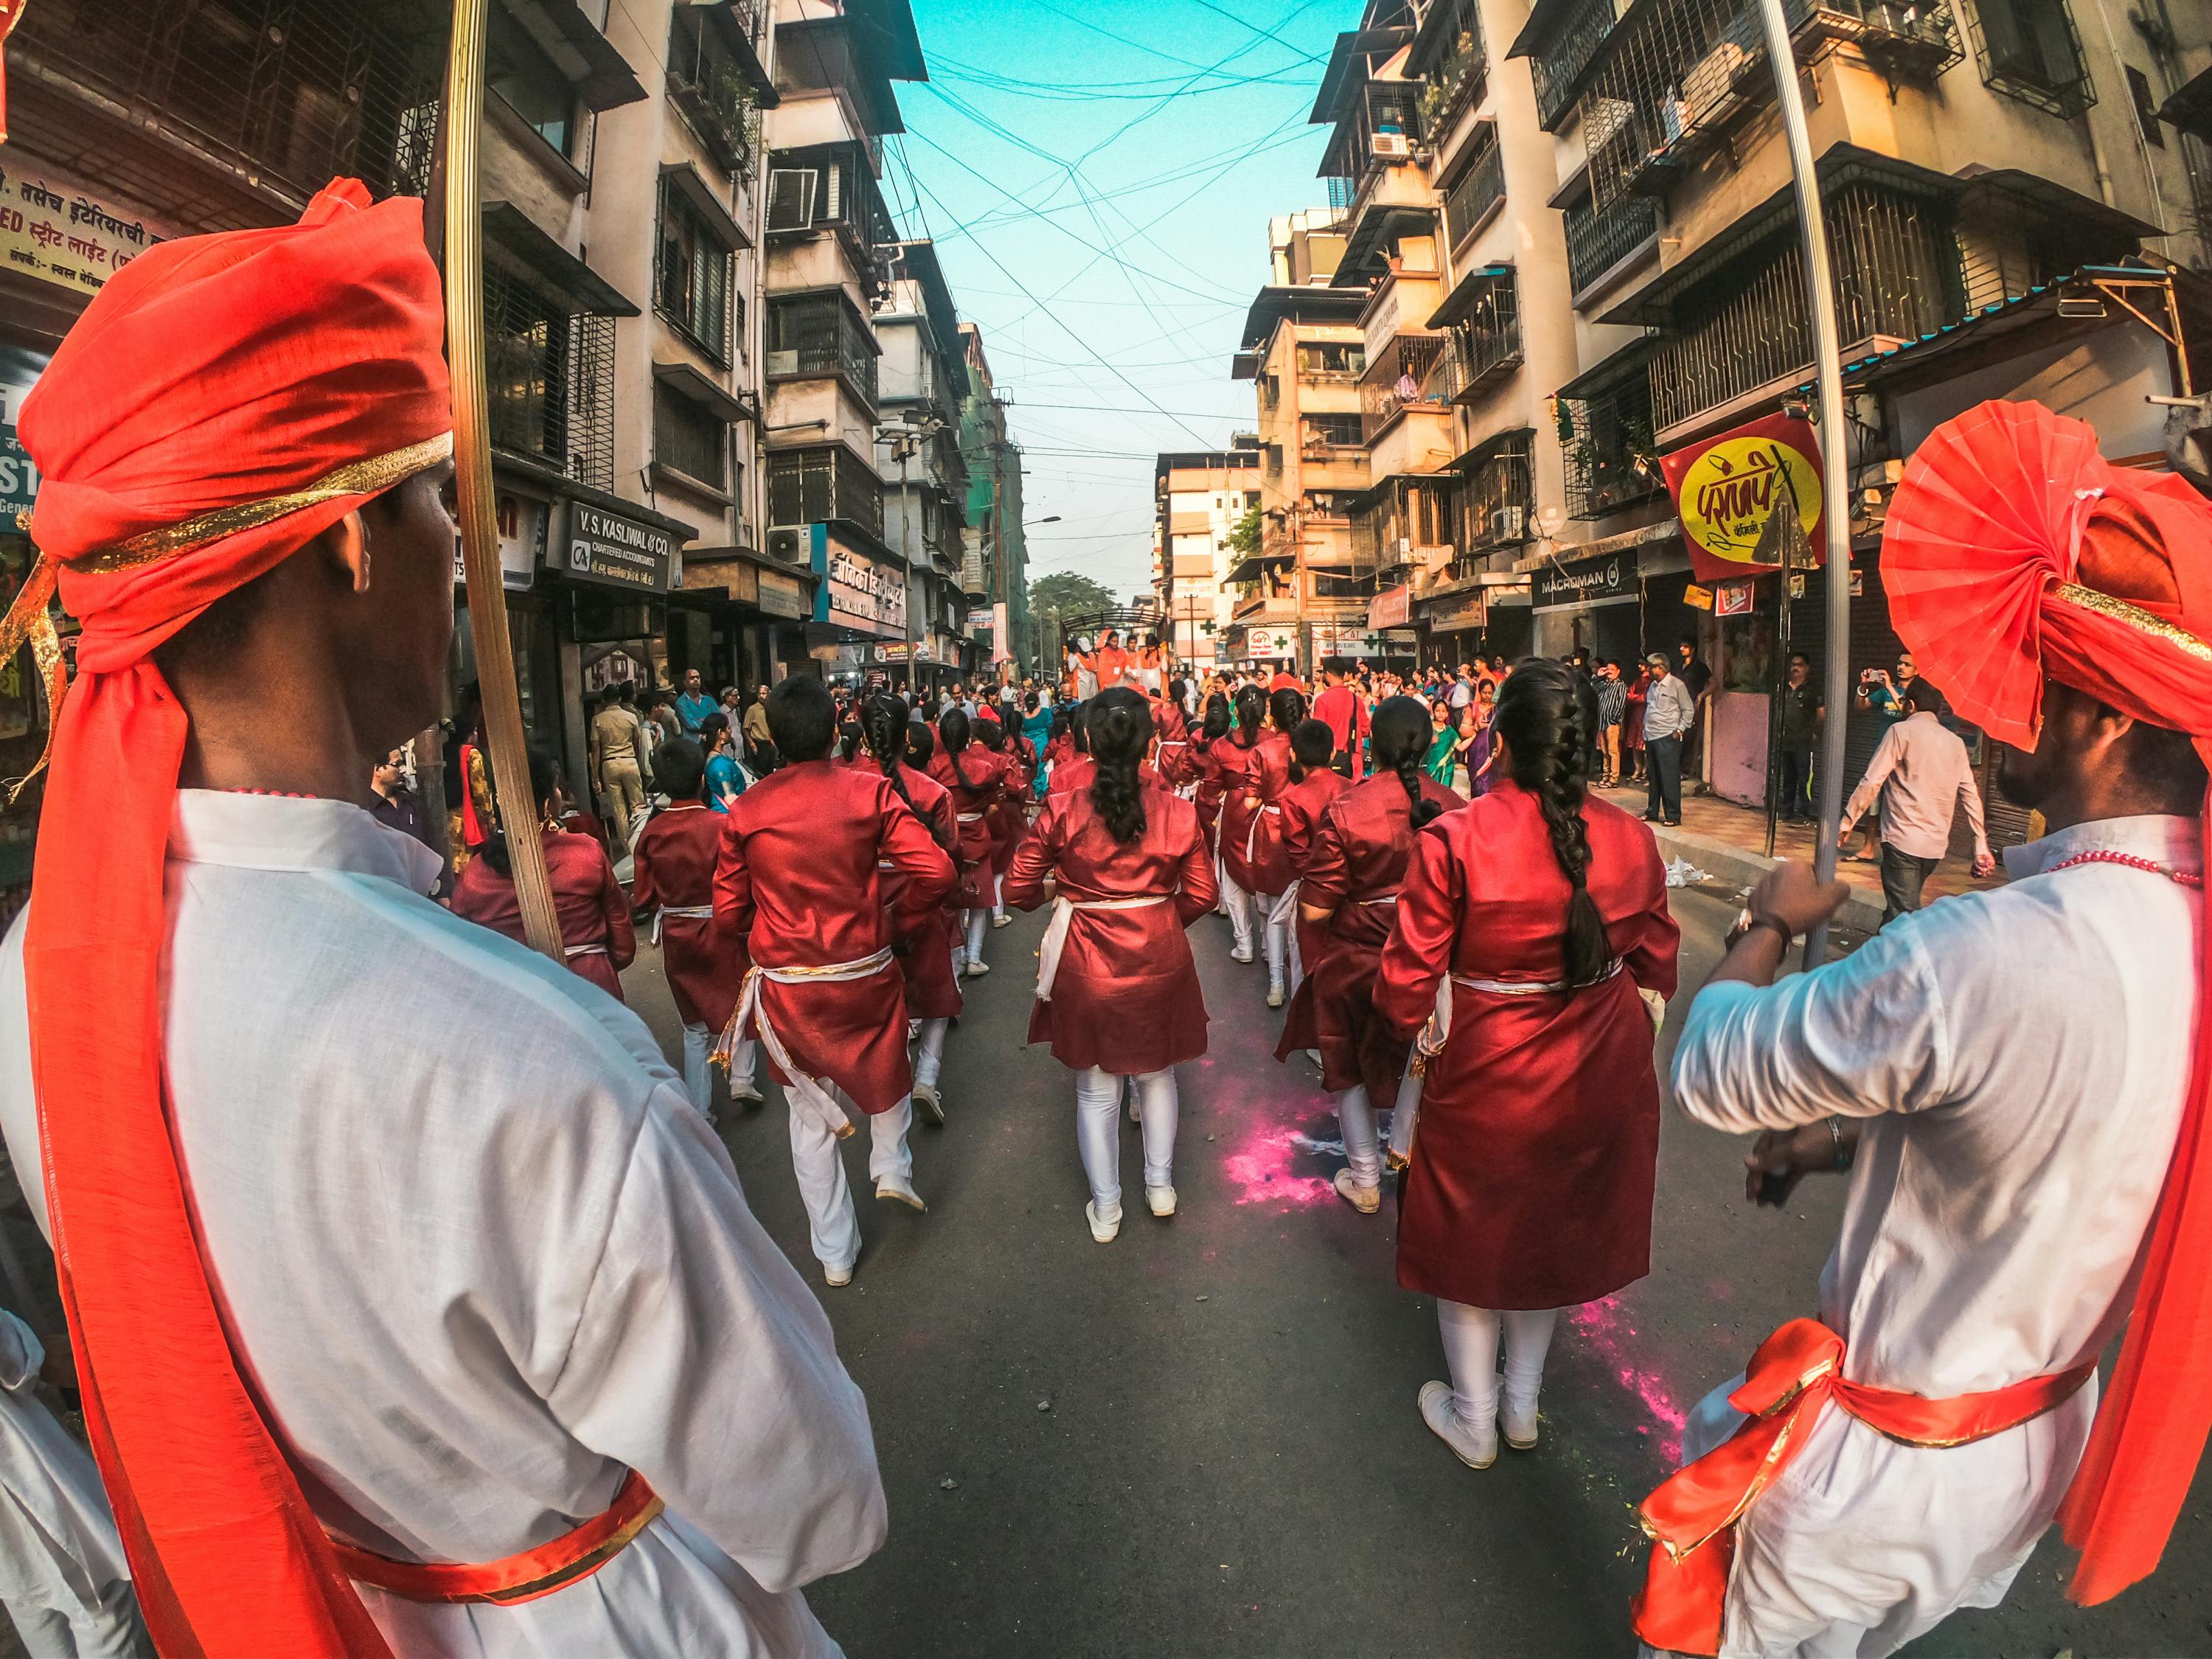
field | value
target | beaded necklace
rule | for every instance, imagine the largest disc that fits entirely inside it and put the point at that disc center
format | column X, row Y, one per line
column 2131, row 861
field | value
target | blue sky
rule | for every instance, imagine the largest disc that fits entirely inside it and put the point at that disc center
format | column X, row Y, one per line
column 1098, row 175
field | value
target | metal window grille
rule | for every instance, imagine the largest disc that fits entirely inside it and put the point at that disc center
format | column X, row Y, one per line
column 1897, row 275
column 691, row 286
column 1480, row 188
column 1332, row 432
column 1405, row 513
column 817, row 334
column 1606, row 440
column 1598, row 238
column 710, row 86
column 1557, row 67
column 815, row 485
column 1491, row 507
column 690, row 439
column 1385, row 393
column 2030, row 50
column 551, row 379
column 1485, row 347
column 1456, row 76
column 1378, row 130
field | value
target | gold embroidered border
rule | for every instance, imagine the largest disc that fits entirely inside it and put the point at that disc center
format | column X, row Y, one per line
column 2135, row 617
column 368, row 477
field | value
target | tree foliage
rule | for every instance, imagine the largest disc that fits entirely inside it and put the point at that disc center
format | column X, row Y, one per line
column 1070, row 594
column 1244, row 539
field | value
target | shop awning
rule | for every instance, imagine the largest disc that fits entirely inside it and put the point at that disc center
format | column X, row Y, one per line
column 687, row 181
column 538, row 260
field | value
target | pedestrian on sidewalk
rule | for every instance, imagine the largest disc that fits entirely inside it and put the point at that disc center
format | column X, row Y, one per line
column 1883, row 696
column 1632, row 725
column 1349, row 895
column 693, row 705
column 1804, row 717
column 705, row 962
column 1532, row 953
column 760, row 754
column 801, row 876
column 1922, row 773
column 617, row 760
column 1117, row 993
column 1612, row 713
column 2026, row 1147
column 1697, row 674
column 1670, row 710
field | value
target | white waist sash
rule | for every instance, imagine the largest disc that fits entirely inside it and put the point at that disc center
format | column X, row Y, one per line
column 1055, row 932
column 1252, row 833
column 973, row 817
column 585, row 951
column 689, row 912
column 1437, row 1032
column 804, row 1094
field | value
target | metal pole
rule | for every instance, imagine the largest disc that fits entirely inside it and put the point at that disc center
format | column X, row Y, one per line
column 464, row 350
column 1835, row 493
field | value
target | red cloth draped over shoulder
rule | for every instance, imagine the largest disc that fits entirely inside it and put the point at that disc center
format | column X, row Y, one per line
column 2014, row 550
column 222, row 402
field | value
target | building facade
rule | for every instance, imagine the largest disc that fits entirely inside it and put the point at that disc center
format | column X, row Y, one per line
column 995, row 567
column 1199, row 499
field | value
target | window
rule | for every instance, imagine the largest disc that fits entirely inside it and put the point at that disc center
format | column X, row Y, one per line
column 2029, row 50
column 2146, row 106
column 689, row 440
column 691, row 287
column 1331, row 360
column 551, row 378
column 1332, row 431
column 530, row 84
column 817, row 334
column 812, row 486
column 709, row 87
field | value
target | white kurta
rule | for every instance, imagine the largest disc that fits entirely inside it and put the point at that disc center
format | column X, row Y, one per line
column 480, row 1253
column 2019, row 1057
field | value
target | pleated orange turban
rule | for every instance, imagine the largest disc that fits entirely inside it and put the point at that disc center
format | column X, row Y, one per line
column 222, row 401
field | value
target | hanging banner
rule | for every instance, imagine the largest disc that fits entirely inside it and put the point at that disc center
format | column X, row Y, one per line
column 1726, row 490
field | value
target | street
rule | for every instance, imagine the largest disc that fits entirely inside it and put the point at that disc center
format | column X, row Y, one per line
column 1202, row 1438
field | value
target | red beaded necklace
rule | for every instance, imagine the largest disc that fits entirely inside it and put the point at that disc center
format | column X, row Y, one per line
column 2132, row 862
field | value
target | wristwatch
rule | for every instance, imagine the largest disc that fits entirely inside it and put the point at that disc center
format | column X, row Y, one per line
column 1745, row 921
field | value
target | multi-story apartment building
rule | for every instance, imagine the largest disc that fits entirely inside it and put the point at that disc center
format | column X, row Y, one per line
column 828, row 236
column 1305, row 354
column 1199, row 497
column 995, row 570
column 922, row 382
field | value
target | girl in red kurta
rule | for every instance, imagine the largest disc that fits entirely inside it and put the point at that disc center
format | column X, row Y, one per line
column 1531, row 1181
column 1313, row 784
column 1270, row 867
column 1348, row 895
column 801, row 877
column 1007, row 817
column 594, row 911
column 1117, row 993
column 1207, row 790
column 925, row 935
column 1235, row 761
column 976, row 778
column 704, row 961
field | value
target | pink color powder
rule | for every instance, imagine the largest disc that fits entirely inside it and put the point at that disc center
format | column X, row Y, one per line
column 1603, row 1326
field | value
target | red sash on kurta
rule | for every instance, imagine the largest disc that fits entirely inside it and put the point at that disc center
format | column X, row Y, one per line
column 1692, row 1518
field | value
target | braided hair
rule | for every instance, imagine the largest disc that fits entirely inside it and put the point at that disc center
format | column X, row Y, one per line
column 883, row 726
column 849, row 739
column 1540, row 720
column 1217, row 718
column 952, row 730
column 544, row 784
column 1285, row 708
column 1251, row 711
column 920, row 742
column 1400, row 735
column 1120, row 726
column 1312, row 745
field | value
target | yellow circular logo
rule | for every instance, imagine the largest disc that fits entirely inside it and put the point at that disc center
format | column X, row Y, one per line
column 1729, row 492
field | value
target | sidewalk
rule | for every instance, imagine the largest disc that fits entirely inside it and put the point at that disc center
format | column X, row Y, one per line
column 1729, row 843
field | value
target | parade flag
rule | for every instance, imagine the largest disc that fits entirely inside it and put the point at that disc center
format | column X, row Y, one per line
column 1728, row 490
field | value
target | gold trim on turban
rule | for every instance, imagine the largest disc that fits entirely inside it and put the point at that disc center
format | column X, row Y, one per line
column 2135, row 617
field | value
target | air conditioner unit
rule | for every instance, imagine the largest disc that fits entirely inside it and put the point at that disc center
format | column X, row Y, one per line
column 1508, row 524
column 783, row 543
column 1390, row 146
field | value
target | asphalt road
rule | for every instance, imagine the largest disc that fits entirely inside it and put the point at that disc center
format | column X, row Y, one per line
column 1202, row 1438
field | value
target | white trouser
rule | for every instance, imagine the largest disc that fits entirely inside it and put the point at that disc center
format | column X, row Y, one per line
column 110, row 1629
column 1283, row 914
column 978, row 921
column 1471, row 1352
column 1237, row 906
column 998, row 894
column 698, row 1074
column 1362, row 1150
column 1279, row 938
column 929, row 1052
column 1097, row 1132
column 833, row 1226
column 1221, row 885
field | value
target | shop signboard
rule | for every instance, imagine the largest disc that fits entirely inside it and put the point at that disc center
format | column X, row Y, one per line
column 19, row 476
column 1392, row 608
column 1727, row 488
column 1584, row 581
column 897, row 651
column 857, row 591
column 1697, row 598
column 520, row 521
column 1460, row 615
column 783, row 596
column 52, row 231
column 616, row 550
column 1262, row 643
column 1732, row 600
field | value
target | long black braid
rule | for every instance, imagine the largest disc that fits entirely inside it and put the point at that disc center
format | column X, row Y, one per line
column 1285, row 708
column 1251, row 712
column 1217, row 717
column 883, row 727
column 1120, row 726
column 1540, row 720
column 1400, row 735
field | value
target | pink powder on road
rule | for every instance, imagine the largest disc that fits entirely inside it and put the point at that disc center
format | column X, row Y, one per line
column 1604, row 1328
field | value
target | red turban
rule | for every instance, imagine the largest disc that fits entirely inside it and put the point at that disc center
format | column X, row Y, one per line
column 222, row 401
column 2014, row 550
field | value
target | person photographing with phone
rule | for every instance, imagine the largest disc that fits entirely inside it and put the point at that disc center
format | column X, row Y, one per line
column 2023, row 1147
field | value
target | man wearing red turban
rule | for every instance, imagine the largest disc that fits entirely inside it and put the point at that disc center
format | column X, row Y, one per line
column 2019, row 1080
column 382, row 1239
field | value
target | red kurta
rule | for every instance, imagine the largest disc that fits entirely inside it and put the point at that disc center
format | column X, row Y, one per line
column 798, row 878
column 924, row 935
column 1534, row 1164
column 1268, row 867
column 1357, row 861
column 1236, row 773
column 705, row 961
column 1302, row 804
column 976, row 780
column 1344, row 711
column 592, row 909
column 1127, row 998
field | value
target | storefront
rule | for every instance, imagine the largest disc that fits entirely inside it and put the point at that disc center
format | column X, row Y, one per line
column 1593, row 605
column 860, row 600
column 609, row 568
column 727, row 617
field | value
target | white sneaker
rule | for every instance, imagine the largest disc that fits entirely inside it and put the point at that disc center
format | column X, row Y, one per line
column 1001, row 920
column 837, row 1277
column 1160, row 1201
column 1241, row 953
column 1365, row 1200
column 746, row 1093
column 1518, row 1421
column 1103, row 1232
column 926, row 1102
column 1275, row 996
column 978, row 968
column 1477, row 1448
column 898, row 1189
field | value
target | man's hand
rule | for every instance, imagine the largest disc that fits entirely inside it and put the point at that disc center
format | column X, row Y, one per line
column 1780, row 1158
column 1794, row 899
column 1985, row 864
